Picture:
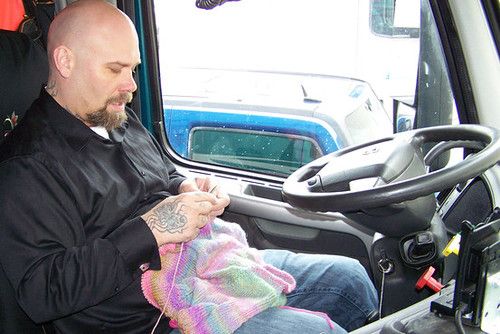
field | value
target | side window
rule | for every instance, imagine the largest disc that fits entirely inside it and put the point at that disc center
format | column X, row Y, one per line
column 270, row 153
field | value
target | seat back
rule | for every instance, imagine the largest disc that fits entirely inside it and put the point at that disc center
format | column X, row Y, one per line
column 23, row 72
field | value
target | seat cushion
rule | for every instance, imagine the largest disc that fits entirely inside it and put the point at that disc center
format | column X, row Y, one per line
column 11, row 14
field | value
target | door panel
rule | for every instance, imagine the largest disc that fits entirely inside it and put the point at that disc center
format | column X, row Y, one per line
column 271, row 223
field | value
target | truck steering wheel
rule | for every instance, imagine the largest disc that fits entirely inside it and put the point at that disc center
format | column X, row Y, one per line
column 389, row 170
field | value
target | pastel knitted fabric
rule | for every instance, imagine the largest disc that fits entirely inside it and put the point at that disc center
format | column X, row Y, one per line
column 221, row 282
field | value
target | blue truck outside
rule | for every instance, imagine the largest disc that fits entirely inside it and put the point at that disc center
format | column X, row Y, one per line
column 263, row 125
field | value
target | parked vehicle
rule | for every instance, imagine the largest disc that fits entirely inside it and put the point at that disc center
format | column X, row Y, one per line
column 267, row 122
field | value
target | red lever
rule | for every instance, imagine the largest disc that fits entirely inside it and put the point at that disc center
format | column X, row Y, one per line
column 427, row 279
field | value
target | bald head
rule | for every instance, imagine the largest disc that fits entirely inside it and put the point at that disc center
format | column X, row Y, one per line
column 84, row 20
column 93, row 49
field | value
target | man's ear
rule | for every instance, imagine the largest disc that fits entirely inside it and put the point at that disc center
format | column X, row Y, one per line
column 63, row 60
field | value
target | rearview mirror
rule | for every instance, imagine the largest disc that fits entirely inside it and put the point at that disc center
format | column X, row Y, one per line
column 400, row 19
column 403, row 114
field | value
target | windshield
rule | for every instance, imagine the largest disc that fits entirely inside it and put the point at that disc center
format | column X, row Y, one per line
column 268, row 86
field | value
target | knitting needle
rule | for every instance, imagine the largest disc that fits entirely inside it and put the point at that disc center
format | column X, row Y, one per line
column 213, row 189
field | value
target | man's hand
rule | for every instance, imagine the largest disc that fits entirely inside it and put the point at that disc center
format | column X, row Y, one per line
column 208, row 185
column 179, row 218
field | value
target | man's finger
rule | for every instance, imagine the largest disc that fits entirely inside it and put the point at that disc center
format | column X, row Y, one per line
column 200, row 196
column 205, row 207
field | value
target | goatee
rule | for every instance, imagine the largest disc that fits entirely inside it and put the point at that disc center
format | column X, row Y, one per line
column 110, row 120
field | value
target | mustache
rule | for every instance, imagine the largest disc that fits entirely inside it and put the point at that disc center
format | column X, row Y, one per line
column 125, row 97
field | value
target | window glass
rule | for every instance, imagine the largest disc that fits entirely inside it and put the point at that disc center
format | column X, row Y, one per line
column 268, row 85
column 252, row 150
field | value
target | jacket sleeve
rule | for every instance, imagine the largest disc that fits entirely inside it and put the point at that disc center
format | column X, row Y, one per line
column 53, row 269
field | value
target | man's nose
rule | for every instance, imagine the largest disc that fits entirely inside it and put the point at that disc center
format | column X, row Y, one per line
column 129, row 84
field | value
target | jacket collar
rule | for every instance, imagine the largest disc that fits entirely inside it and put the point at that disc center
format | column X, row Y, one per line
column 74, row 130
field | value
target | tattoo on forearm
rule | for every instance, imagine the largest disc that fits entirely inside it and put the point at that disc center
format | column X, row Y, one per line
column 168, row 217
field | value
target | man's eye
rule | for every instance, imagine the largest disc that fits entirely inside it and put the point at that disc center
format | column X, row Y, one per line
column 115, row 70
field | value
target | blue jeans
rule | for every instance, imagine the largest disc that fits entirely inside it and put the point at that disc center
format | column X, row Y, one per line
column 336, row 285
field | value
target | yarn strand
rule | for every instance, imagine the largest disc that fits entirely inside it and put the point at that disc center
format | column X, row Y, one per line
column 170, row 290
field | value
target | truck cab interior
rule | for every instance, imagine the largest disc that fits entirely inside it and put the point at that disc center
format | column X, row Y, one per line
column 394, row 203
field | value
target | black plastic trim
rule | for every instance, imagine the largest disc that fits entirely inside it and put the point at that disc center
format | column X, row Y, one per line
column 457, row 68
column 151, row 45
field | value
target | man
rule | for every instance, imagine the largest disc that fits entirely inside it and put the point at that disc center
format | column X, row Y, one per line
column 88, row 197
